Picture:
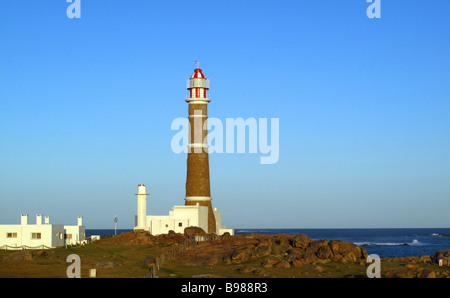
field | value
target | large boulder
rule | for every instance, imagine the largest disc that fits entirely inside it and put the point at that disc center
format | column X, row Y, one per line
column 443, row 255
column 341, row 247
column 301, row 241
column 270, row 262
column 426, row 259
column 192, row 231
column 324, row 252
column 315, row 245
column 310, row 258
column 348, row 250
column 283, row 264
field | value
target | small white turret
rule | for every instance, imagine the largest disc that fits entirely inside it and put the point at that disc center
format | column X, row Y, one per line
column 24, row 219
column 39, row 219
column 141, row 207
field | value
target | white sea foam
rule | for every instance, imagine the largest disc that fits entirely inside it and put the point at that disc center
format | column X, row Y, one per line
column 414, row 243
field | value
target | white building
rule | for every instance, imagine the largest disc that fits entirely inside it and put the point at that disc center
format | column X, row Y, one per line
column 41, row 235
column 75, row 234
column 178, row 219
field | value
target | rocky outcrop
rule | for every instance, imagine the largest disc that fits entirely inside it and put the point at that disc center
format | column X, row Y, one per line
column 443, row 255
column 191, row 231
column 282, row 251
column 144, row 238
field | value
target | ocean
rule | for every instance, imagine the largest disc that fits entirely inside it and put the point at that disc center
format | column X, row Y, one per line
column 386, row 243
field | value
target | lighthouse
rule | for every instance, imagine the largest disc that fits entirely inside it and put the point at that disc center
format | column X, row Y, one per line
column 197, row 210
column 197, row 179
column 141, row 207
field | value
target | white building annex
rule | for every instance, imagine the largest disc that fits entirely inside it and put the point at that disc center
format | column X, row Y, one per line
column 41, row 235
column 178, row 219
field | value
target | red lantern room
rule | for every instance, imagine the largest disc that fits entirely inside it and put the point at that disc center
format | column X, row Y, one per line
column 197, row 84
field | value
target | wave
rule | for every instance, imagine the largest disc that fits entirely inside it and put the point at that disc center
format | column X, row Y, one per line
column 415, row 242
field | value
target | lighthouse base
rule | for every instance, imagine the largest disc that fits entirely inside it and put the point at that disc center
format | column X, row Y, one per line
column 190, row 215
column 204, row 201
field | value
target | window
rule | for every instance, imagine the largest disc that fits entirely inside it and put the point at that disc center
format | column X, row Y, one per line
column 180, row 224
column 167, row 226
column 11, row 235
column 35, row 235
column 68, row 236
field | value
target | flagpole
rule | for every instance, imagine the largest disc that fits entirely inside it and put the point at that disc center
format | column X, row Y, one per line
column 115, row 224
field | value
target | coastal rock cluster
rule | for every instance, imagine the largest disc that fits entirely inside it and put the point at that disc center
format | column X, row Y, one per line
column 144, row 238
column 412, row 268
column 280, row 251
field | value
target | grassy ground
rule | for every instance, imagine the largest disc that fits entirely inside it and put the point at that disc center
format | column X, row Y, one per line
column 108, row 260
column 329, row 270
column 125, row 261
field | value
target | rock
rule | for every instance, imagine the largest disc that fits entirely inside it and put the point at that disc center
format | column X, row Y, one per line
column 350, row 256
column 270, row 262
column 191, row 231
column 301, row 241
column 281, row 239
column 324, row 252
column 246, row 269
column 260, row 272
column 315, row 245
column 143, row 238
column 19, row 256
column 226, row 235
column 387, row 273
column 283, row 264
column 432, row 274
column 444, row 255
column 297, row 263
column 319, row 268
column 296, row 253
column 310, row 258
column 241, row 254
column 404, row 273
column 426, row 259
column 262, row 250
column 339, row 247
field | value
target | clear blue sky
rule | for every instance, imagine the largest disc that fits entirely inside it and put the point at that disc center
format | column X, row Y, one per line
column 86, row 107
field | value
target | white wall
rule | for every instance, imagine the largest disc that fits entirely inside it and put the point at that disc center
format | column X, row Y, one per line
column 49, row 235
column 77, row 232
column 186, row 216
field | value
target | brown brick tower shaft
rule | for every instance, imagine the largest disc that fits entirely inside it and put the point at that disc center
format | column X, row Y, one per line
column 197, row 178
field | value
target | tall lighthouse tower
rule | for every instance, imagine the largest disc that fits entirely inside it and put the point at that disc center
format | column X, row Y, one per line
column 197, row 179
